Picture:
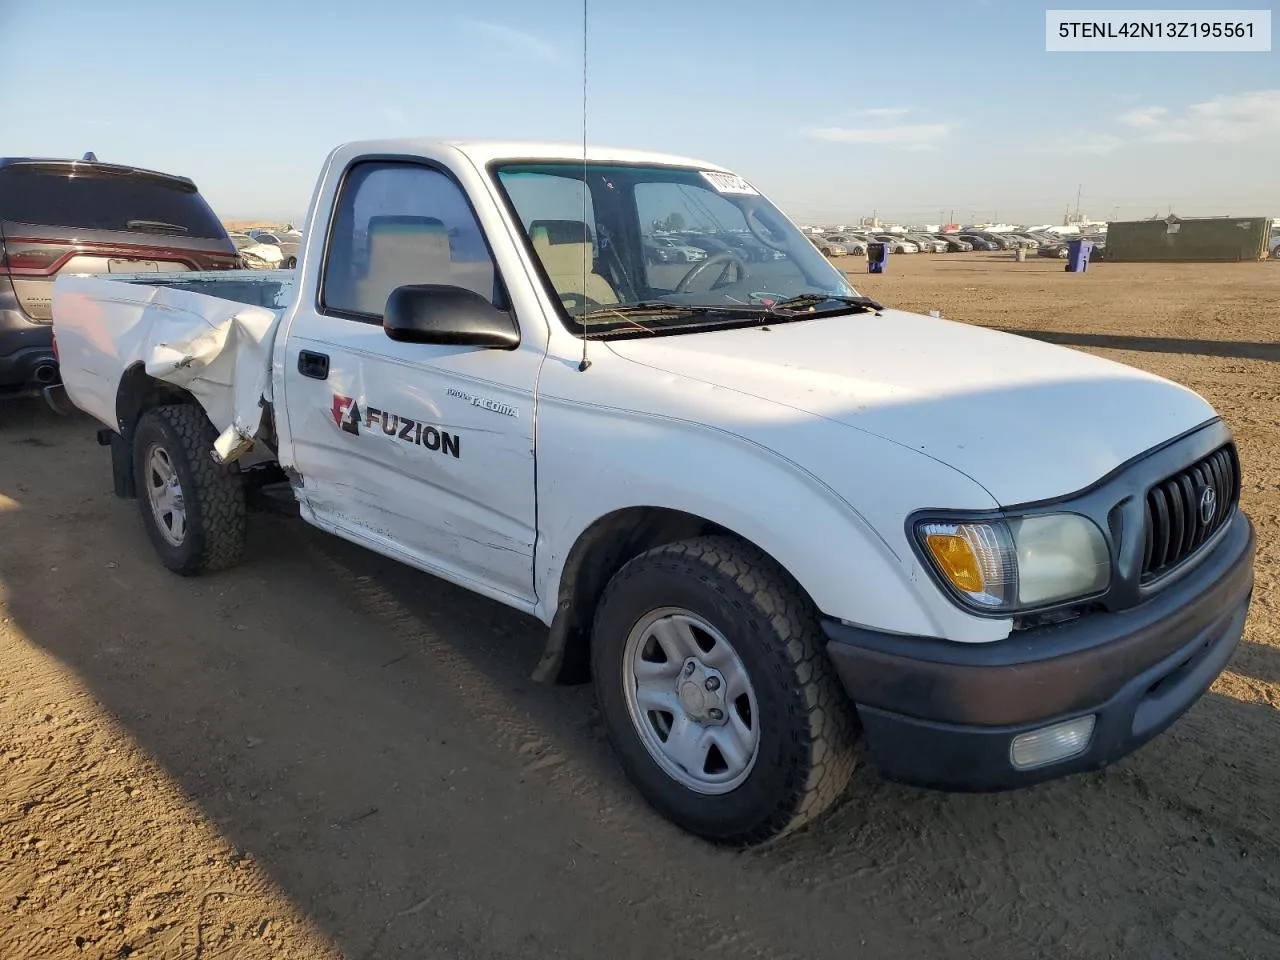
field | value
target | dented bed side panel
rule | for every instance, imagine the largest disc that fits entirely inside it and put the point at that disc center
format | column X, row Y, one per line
column 211, row 334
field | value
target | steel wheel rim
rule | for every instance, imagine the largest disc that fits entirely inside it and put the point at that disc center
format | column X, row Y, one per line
column 677, row 672
column 164, row 493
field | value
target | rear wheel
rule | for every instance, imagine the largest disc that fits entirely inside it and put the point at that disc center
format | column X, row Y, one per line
column 193, row 508
column 717, row 693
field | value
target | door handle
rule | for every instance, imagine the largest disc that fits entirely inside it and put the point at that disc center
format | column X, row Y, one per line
column 313, row 365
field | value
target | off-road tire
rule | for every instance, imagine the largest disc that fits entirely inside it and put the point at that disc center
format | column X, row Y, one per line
column 808, row 731
column 213, row 493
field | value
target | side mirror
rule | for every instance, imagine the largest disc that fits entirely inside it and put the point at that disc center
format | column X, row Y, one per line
column 438, row 313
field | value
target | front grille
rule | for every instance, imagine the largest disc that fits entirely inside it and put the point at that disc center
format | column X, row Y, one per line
column 1178, row 520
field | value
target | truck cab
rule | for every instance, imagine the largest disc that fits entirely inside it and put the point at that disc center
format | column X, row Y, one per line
column 778, row 524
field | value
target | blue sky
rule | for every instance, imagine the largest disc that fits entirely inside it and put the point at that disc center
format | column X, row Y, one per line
column 834, row 110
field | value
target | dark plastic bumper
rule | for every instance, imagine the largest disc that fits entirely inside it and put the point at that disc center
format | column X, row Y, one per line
column 942, row 714
column 26, row 347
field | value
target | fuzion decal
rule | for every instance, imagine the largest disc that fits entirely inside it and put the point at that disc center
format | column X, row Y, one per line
column 484, row 403
column 348, row 415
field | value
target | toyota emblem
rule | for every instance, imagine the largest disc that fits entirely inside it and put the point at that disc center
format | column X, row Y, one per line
column 1208, row 504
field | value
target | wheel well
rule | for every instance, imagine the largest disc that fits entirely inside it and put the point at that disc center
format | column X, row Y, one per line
column 599, row 553
column 139, row 392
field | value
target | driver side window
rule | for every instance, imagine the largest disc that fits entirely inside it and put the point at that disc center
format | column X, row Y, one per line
column 399, row 223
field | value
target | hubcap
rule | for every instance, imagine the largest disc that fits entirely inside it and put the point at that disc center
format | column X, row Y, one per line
column 691, row 700
column 164, row 492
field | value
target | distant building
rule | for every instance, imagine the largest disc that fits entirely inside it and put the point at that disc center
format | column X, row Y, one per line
column 1082, row 222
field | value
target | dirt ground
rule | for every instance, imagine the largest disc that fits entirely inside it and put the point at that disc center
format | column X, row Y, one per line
column 323, row 754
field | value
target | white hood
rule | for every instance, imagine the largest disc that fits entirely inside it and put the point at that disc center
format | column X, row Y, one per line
column 1025, row 419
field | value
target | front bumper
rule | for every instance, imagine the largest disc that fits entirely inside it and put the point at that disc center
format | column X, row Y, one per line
column 942, row 714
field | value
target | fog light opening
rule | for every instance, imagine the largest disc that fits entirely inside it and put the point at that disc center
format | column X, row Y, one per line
column 1062, row 741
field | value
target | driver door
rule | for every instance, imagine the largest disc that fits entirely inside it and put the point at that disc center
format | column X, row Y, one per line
column 421, row 451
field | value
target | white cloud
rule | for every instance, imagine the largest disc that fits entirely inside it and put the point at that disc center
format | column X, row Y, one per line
column 394, row 114
column 916, row 136
column 1087, row 144
column 1232, row 118
column 516, row 41
column 1144, row 118
column 1098, row 145
column 1091, row 144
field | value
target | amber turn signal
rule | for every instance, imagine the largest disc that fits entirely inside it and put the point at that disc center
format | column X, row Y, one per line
column 956, row 561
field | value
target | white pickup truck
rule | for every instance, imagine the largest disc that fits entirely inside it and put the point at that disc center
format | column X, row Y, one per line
column 778, row 525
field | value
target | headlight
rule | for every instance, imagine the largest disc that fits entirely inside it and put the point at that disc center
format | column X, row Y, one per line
column 1019, row 563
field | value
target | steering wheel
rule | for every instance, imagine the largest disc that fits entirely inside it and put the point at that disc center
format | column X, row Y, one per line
column 573, row 301
column 763, row 233
column 724, row 259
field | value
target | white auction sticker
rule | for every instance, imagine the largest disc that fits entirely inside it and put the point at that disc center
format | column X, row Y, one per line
column 728, row 183
column 1157, row 31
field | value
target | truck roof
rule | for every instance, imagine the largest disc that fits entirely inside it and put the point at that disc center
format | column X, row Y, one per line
column 482, row 151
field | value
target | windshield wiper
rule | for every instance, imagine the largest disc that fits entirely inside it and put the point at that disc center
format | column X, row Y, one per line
column 654, row 310
column 661, row 308
column 813, row 299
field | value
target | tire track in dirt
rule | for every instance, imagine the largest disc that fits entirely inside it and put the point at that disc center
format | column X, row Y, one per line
column 1076, row 866
column 723, row 901
column 539, row 756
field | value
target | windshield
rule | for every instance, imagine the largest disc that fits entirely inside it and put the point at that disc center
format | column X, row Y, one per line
column 696, row 244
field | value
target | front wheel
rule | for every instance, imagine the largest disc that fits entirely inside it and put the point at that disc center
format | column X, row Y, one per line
column 717, row 693
column 193, row 508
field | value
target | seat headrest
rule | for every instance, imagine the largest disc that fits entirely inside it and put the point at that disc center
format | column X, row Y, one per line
column 555, row 232
column 399, row 250
column 404, row 224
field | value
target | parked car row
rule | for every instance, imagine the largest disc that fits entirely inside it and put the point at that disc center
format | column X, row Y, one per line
column 690, row 246
column 854, row 242
column 264, row 250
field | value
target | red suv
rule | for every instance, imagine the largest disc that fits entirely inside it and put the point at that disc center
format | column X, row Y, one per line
column 82, row 216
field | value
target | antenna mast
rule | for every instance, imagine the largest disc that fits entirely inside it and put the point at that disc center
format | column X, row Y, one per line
column 586, row 188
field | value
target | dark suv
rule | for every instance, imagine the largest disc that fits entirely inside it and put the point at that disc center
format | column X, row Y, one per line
column 82, row 216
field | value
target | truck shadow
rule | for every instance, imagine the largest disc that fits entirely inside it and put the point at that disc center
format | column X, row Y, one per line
column 1258, row 661
column 371, row 736
column 1235, row 349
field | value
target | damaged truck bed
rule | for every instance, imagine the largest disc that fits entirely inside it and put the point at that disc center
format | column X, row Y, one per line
column 210, row 333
